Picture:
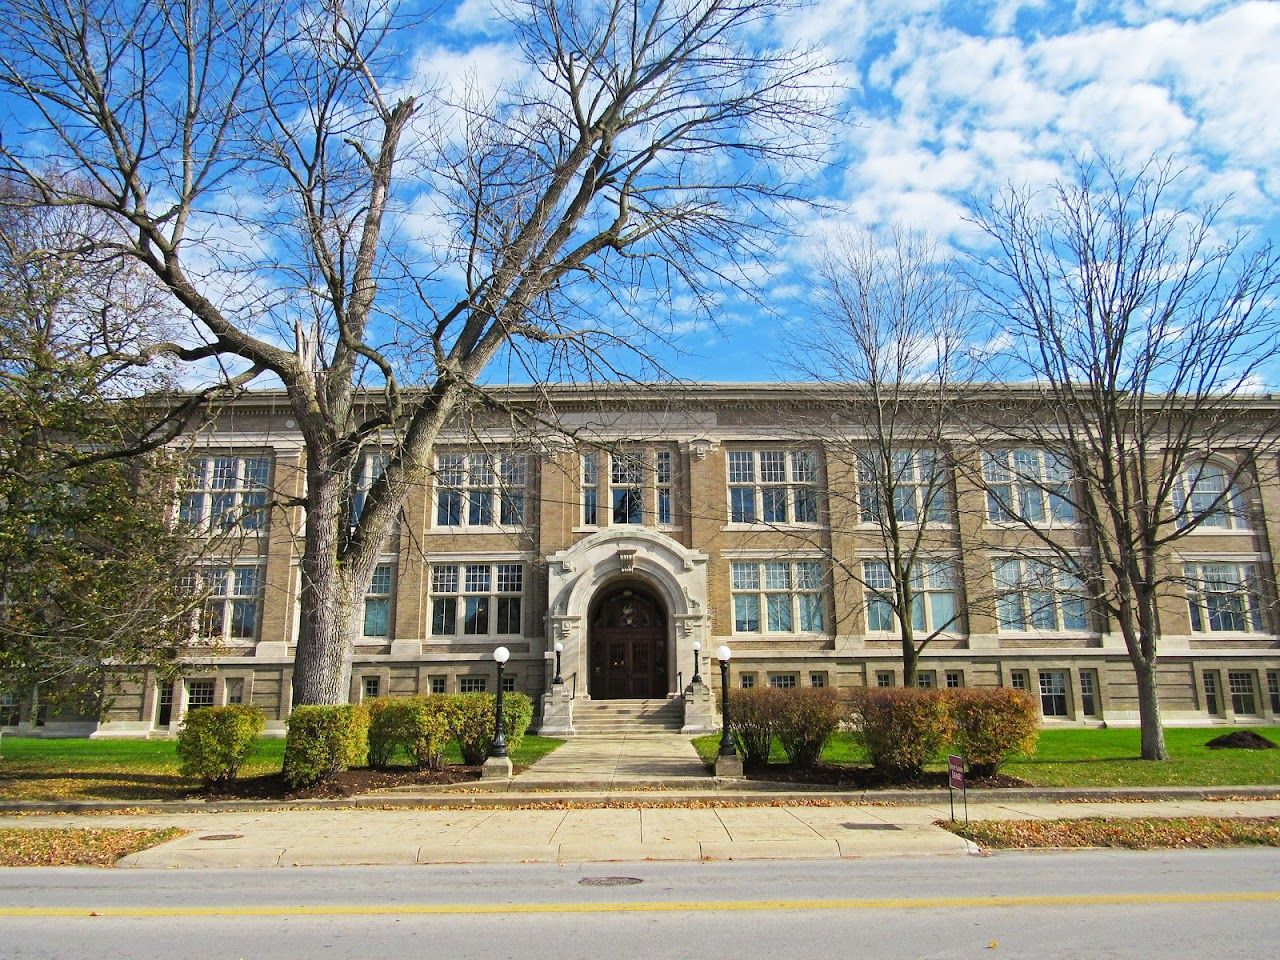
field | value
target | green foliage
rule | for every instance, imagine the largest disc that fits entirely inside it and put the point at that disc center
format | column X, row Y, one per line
column 752, row 717
column 214, row 743
column 473, row 722
column 806, row 717
column 420, row 726
column 323, row 741
column 991, row 724
column 902, row 729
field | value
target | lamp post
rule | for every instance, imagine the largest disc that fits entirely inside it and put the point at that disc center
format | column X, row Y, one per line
column 726, row 742
column 559, row 648
column 697, row 661
column 499, row 746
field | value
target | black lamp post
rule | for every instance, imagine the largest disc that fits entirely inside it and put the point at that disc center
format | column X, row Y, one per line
column 499, row 746
column 726, row 742
column 697, row 661
column 559, row 650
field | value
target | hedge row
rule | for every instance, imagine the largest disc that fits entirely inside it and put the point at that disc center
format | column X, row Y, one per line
column 422, row 726
column 215, row 742
column 802, row 719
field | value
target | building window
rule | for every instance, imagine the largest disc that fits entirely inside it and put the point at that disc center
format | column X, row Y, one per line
column 473, row 684
column 377, row 603
column 590, row 489
column 1211, row 704
column 747, row 680
column 438, row 684
column 663, row 476
column 1089, row 693
column 626, row 488
column 1204, row 495
column 233, row 595
column 1032, row 595
column 369, row 468
column 199, row 694
column 926, row 679
column 773, row 486
column 1019, row 680
column 1222, row 598
column 777, row 596
column 508, row 684
column 1273, row 690
column 164, row 705
column 955, row 679
column 235, row 689
column 817, row 680
column 1027, row 486
column 372, row 687
column 1053, row 693
column 1244, row 700
column 223, row 493
column 476, row 599
column 884, row 678
column 9, row 710
column 933, row 605
column 915, row 480
column 784, row 681
column 481, row 489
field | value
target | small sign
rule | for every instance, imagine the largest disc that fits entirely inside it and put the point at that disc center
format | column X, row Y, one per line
column 955, row 772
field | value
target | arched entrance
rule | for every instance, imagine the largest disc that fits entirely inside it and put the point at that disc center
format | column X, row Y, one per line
column 628, row 645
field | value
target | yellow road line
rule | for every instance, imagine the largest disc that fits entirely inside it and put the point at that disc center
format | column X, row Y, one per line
column 652, row 906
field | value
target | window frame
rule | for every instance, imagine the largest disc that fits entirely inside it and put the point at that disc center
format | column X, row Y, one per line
column 1061, row 588
column 382, row 598
column 1200, row 615
column 930, row 494
column 229, row 600
column 796, row 587
column 480, row 485
column 1055, row 696
column 249, row 496
column 763, row 494
column 1239, row 707
column 879, row 600
column 1052, row 510
column 1232, row 508
column 646, row 477
column 494, row 598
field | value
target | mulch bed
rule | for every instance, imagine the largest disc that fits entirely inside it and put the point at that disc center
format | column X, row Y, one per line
column 349, row 783
column 1139, row 833
column 866, row 778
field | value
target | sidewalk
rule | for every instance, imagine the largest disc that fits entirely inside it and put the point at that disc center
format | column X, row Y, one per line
column 510, row 835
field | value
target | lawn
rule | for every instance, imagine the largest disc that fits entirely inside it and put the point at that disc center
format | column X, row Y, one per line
column 1101, row 758
column 82, row 769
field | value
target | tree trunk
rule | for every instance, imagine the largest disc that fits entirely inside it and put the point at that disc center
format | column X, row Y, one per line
column 1153, row 747
column 910, row 660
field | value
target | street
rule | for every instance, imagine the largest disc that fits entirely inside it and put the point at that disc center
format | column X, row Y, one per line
column 1173, row 905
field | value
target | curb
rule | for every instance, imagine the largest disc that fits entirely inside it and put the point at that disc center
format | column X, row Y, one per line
column 633, row 793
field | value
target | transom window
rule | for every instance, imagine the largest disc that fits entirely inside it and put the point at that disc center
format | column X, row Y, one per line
column 1204, row 495
column 933, row 603
column 377, row 602
column 777, row 596
column 476, row 599
column 1032, row 595
column 481, row 489
column 915, row 480
column 233, row 596
column 1029, row 486
column 773, row 486
column 224, row 493
column 1223, row 598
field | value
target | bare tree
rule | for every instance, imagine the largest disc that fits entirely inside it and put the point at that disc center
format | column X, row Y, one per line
column 270, row 162
column 886, row 344
column 1141, row 327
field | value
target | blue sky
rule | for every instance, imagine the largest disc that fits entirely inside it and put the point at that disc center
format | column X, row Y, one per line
column 950, row 101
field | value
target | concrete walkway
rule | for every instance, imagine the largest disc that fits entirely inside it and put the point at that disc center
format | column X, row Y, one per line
column 513, row 835
column 618, row 759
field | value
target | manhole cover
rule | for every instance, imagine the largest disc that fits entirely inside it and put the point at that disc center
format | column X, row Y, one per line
column 870, row 826
column 222, row 836
column 609, row 881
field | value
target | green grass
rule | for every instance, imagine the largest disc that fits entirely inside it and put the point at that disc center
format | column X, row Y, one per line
column 1100, row 758
column 82, row 769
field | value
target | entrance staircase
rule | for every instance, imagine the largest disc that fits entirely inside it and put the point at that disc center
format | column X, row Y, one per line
column 616, row 718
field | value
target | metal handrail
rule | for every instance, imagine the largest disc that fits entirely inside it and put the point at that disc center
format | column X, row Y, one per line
column 573, row 690
column 679, row 682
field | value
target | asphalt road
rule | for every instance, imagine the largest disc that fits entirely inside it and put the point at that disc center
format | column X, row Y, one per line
column 1174, row 905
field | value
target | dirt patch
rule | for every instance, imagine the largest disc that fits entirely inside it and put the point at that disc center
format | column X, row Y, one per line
column 867, row 778
column 1240, row 740
column 349, row 783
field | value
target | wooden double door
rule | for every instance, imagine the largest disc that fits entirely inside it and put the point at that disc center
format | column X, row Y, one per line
column 628, row 646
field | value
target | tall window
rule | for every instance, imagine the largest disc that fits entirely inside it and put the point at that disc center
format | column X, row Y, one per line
column 1222, row 598
column 476, row 599
column 371, row 466
column 933, row 605
column 1031, row 595
column 626, row 488
column 1204, row 493
column 222, row 493
column 777, row 596
column 1244, row 700
column 663, row 475
column 618, row 484
column 480, row 489
column 1053, row 693
column 233, row 596
column 1031, row 486
column 773, row 486
column 918, row 482
column 377, row 603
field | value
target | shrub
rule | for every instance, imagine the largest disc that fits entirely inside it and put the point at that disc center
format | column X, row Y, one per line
column 805, row 719
column 420, row 726
column 473, row 719
column 753, row 716
column 902, row 729
column 323, row 741
column 214, row 742
column 993, row 723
